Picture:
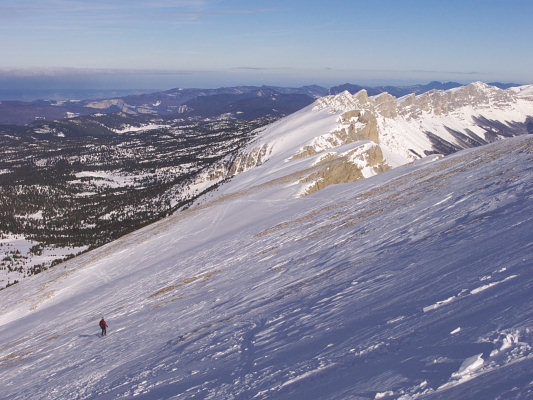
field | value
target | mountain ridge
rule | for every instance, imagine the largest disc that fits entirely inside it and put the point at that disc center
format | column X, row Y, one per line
column 346, row 137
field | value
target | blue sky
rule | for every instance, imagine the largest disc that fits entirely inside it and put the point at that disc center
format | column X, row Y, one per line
column 208, row 43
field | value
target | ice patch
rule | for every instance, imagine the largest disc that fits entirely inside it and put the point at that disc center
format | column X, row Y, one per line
column 367, row 350
column 305, row 375
column 510, row 347
column 488, row 286
column 468, row 366
column 394, row 320
column 439, row 304
column 449, row 197
column 466, row 293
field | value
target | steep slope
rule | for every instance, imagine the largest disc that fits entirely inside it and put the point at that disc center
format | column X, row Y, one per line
column 415, row 283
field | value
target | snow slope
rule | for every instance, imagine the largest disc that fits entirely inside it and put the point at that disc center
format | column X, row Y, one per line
column 414, row 283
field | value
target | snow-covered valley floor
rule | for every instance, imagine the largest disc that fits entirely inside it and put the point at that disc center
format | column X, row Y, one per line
column 415, row 283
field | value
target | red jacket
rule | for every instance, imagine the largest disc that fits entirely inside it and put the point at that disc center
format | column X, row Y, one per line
column 103, row 324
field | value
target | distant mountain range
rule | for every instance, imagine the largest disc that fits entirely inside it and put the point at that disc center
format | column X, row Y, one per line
column 399, row 91
column 241, row 102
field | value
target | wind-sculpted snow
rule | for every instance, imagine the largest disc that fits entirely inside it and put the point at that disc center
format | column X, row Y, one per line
column 414, row 283
column 524, row 91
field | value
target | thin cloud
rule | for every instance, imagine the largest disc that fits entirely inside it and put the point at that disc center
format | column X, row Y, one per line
column 426, row 71
column 118, row 12
column 52, row 72
column 263, row 68
column 402, row 71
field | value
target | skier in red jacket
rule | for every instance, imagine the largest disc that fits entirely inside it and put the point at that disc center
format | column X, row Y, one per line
column 103, row 325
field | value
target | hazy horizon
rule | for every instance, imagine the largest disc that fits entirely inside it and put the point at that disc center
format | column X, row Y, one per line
column 61, row 84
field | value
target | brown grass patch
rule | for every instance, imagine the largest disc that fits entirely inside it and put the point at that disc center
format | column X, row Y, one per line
column 204, row 277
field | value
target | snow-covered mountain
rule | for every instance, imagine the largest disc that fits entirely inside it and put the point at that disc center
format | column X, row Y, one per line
column 344, row 137
column 412, row 283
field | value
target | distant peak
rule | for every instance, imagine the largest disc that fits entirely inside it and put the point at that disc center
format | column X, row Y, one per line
column 479, row 84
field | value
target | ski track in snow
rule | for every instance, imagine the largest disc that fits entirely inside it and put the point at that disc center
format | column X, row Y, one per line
column 354, row 292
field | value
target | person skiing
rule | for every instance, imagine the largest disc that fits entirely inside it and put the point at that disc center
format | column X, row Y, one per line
column 103, row 325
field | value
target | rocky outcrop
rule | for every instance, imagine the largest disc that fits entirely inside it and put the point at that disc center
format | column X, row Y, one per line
column 249, row 160
column 344, row 101
column 118, row 103
column 357, row 126
column 413, row 125
column 356, row 164
column 352, row 144
column 354, row 126
column 240, row 163
column 437, row 102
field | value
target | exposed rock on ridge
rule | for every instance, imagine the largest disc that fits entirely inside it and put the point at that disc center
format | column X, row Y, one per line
column 477, row 95
column 362, row 161
column 249, row 160
column 440, row 121
column 345, row 137
column 238, row 164
column 353, row 126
